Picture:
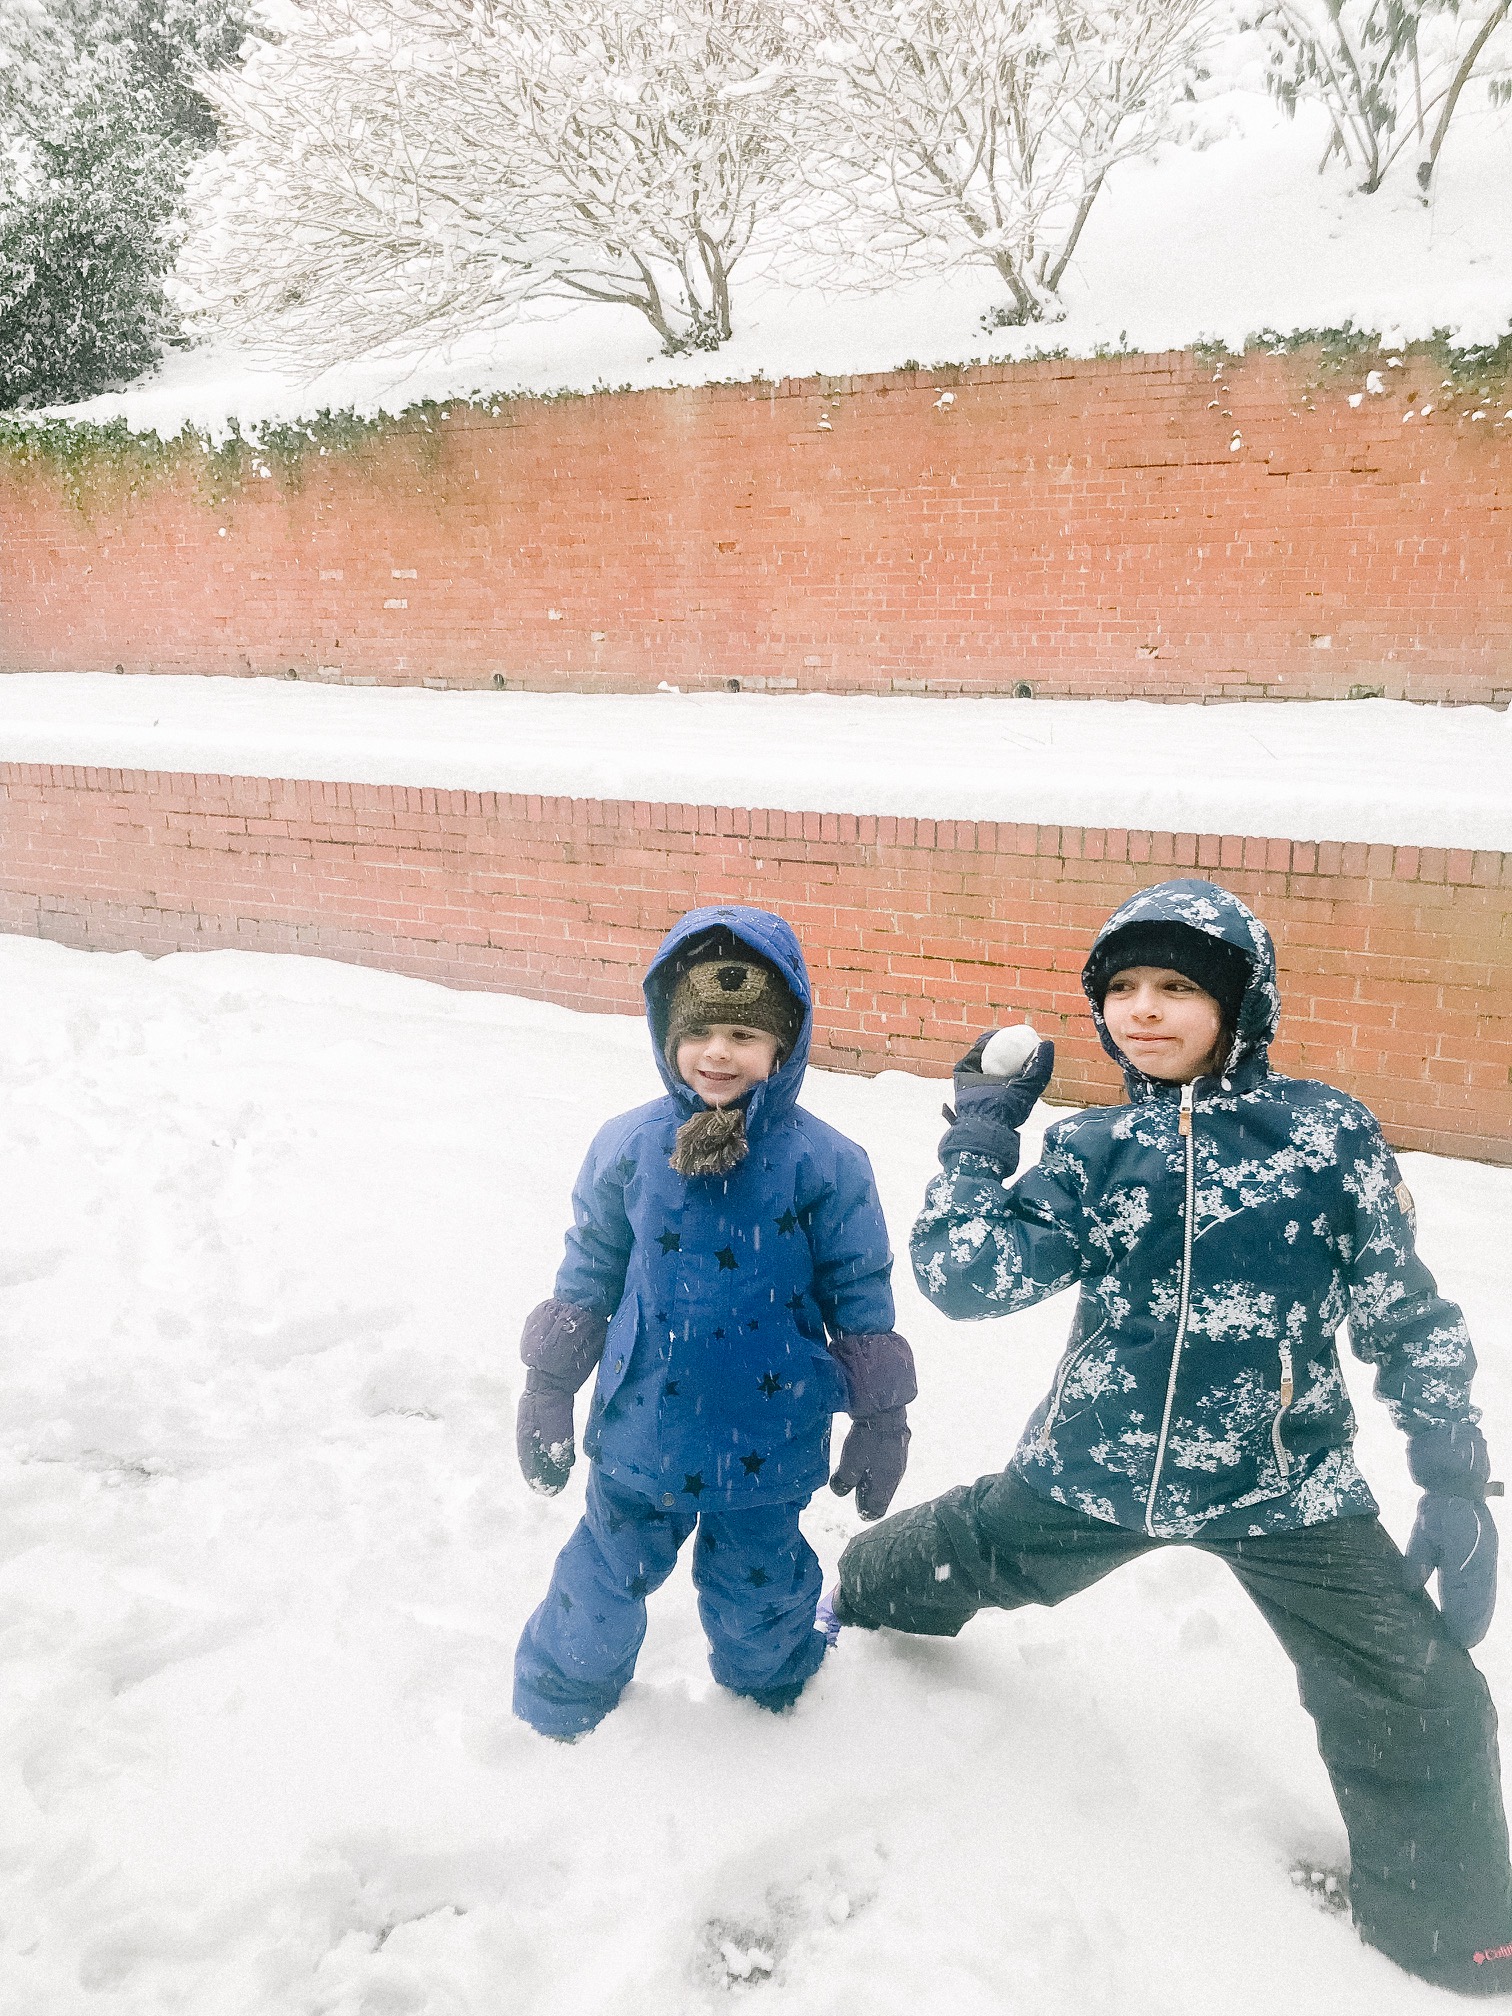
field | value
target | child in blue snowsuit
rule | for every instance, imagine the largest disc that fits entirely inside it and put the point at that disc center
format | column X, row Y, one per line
column 727, row 1272
column 1220, row 1228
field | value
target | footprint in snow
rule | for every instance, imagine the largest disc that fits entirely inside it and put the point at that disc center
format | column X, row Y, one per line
column 739, row 1951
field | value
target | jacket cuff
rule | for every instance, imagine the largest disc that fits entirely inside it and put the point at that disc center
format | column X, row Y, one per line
column 563, row 1342
column 879, row 1371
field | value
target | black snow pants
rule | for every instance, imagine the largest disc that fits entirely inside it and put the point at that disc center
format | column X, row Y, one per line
column 1404, row 1720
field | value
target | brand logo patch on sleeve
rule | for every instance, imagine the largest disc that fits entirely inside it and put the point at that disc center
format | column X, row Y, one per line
column 1404, row 1201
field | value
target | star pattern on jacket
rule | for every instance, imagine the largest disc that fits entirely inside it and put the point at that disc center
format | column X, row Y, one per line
column 711, row 1284
column 769, row 1384
column 752, row 1463
column 693, row 1483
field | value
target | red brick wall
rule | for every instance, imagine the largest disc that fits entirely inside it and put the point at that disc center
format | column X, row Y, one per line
column 1119, row 526
column 1396, row 962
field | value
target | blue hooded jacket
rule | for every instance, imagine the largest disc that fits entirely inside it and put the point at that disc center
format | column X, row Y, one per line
column 1200, row 1392
column 716, row 1384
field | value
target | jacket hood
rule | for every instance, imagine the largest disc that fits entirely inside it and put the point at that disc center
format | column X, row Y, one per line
column 1203, row 906
column 762, row 932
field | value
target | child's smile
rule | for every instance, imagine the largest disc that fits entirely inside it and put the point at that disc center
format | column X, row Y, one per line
column 724, row 1060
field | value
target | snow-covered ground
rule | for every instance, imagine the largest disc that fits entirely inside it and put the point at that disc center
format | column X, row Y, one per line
column 1218, row 242
column 272, row 1225
column 1374, row 770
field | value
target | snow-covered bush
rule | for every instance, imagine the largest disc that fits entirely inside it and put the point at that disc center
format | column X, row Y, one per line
column 982, row 131
column 659, row 136
column 351, row 201
column 99, row 117
column 1390, row 73
column 403, row 169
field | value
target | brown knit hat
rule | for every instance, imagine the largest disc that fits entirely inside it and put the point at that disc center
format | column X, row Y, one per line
column 736, row 987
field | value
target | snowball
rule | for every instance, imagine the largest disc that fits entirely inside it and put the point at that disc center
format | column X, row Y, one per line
column 1009, row 1051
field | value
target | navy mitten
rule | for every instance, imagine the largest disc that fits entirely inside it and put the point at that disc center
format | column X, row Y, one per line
column 989, row 1112
column 1453, row 1536
column 879, row 1382
column 560, row 1346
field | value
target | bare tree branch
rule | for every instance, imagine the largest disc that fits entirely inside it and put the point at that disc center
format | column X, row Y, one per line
column 981, row 131
column 404, row 168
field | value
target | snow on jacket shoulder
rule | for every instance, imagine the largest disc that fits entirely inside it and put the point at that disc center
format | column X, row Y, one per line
column 1200, row 1391
column 716, row 1383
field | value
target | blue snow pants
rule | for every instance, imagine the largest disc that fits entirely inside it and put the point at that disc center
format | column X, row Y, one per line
column 758, row 1584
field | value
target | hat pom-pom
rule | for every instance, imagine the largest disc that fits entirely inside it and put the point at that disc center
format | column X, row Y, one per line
column 710, row 1144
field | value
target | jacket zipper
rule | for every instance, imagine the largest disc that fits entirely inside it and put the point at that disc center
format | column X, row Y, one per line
column 1184, row 1127
column 1288, row 1392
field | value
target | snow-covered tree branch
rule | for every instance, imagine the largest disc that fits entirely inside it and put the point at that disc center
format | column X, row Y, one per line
column 982, row 131
column 658, row 136
column 349, row 207
column 429, row 165
column 1390, row 73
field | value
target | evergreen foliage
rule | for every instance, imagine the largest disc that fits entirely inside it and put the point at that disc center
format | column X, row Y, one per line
column 100, row 117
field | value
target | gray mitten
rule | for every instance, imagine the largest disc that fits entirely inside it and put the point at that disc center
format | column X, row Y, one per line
column 879, row 1382
column 560, row 1346
column 873, row 1461
column 1453, row 1536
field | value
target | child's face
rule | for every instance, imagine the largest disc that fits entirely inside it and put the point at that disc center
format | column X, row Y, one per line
column 723, row 1060
column 1163, row 1022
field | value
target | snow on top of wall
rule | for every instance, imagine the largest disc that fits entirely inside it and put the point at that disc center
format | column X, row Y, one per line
column 1369, row 770
column 1216, row 243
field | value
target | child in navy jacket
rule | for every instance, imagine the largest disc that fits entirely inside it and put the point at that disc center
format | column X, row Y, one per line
column 727, row 1272
column 1220, row 1228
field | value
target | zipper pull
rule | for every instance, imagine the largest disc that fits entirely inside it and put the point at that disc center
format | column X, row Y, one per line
column 1184, row 1123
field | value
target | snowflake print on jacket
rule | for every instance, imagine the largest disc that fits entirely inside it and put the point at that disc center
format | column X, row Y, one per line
column 1237, row 1422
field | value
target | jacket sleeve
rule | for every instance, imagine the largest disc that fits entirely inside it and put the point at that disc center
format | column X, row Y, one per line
column 592, row 1273
column 847, row 1236
column 982, row 1249
column 1398, row 1321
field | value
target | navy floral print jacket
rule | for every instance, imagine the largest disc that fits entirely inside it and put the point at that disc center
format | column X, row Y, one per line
column 716, row 1384
column 1200, row 1391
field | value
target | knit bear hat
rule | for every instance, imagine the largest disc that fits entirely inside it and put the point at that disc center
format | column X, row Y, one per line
column 731, row 986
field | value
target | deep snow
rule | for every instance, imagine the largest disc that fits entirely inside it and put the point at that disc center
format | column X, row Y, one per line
column 1214, row 242
column 273, row 1225
column 1372, row 770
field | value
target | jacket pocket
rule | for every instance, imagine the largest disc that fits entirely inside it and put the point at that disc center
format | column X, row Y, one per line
column 1075, row 1352
column 619, row 1348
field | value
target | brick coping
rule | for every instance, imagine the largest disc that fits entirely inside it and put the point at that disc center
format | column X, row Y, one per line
column 1483, row 868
